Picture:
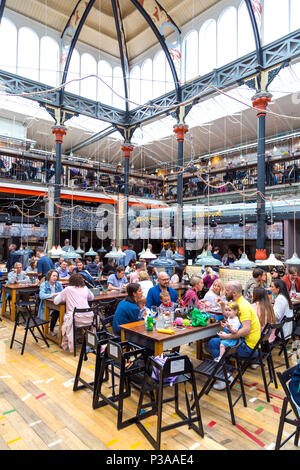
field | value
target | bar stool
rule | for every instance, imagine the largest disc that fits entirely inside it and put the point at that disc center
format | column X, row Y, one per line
column 176, row 370
column 126, row 361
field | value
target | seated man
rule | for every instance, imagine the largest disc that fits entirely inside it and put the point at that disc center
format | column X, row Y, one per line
column 118, row 280
column 89, row 281
column 153, row 296
column 63, row 271
column 18, row 275
column 258, row 279
column 292, row 280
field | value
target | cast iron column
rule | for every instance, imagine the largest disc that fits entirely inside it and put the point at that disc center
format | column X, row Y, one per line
column 180, row 131
column 127, row 149
column 59, row 132
column 260, row 102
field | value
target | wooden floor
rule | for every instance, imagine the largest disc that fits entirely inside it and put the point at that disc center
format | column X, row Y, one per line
column 39, row 410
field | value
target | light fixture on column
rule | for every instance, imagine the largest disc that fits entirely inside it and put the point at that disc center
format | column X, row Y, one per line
column 8, row 220
column 294, row 259
column 272, row 260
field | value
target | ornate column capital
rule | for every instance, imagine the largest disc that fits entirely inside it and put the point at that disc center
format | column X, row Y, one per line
column 127, row 149
column 59, row 132
column 260, row 101
column 180, row 130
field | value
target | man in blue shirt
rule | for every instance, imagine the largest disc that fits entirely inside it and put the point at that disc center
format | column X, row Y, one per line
column 153, row 296
column 44, row 263
column 130, row 254
column 118, row 280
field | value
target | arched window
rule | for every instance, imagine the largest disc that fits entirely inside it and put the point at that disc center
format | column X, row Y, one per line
column 208, row 47
column 105, row 73
column 246, row 42
column 49, row 61
column 169, row 77
column 74, row 74
column 146, row 81
column 88, row 85
column 227, row 37
column 8, row 54
column 190, row 48
column 276, row 19
column 118, row 87
column 159, row 74
column 28, row 54
column 295, row 15
column 135, row 86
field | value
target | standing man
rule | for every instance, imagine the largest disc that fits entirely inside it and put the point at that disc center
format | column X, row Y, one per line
column 153, row 296
column 44, row 263
column 130, row 255
column 67, row 245
column 12, row 257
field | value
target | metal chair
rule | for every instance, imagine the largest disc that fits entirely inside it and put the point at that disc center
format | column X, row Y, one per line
column 261, row 354
column 222, row 371
column 181, row 370
column 30, row 323
column 124, row 360
column 284, row 378
column 94, row 322
column 281, row 341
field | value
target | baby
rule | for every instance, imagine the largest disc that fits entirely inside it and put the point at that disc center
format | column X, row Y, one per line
column 232, row 313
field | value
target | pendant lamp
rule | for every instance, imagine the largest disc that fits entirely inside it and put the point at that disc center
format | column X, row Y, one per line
column 163, row 261
column 178, row 257
column 294, row 260
column 71, row 254
column 114, row 253
column 79, row 250
column 56, row 252
column 91, row 251
column 208, row 260
column 244, row 262
column 272, row 260
column 148, row 255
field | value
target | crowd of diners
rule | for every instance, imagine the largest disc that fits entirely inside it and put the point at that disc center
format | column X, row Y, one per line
column 246, row 311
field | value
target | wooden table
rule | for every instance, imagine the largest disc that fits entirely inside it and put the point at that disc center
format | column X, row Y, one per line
column 61, row 308
column 159, row 342
column 13, row 289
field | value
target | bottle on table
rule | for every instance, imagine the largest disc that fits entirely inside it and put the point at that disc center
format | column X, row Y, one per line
column 149, row 322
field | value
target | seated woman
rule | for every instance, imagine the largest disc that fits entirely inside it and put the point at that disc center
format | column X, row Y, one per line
column 127, row 310
column 178, row 274
column 283, row 306
column 32, row 268
column 215, row 293
column 209, row 277
column 144, row 282
column 191, row 296
column 263, row 307
column 48, row 290
column 76, row 295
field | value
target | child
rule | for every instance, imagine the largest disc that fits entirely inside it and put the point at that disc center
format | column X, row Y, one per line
column 166, row 304
column 232, row 312
column 142, row 306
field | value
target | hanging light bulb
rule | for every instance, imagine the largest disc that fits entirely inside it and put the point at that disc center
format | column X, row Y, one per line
column 163, row 261
column 241, row 222
column 148, row 255
column 208, row 260
column 275, row 149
